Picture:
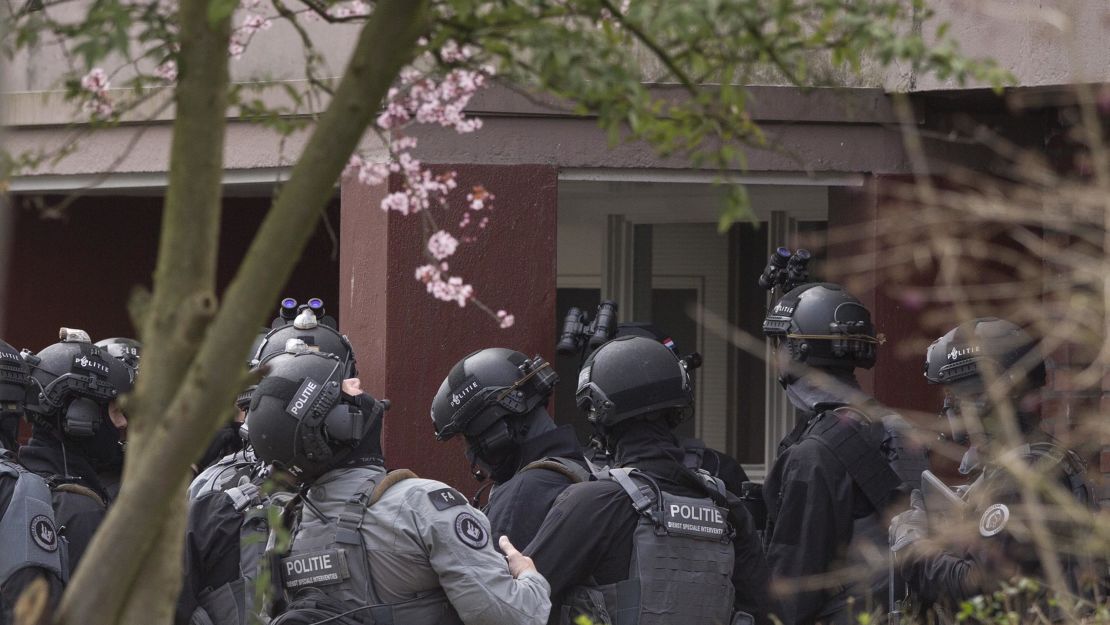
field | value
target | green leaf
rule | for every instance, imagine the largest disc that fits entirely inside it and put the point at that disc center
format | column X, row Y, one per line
column 737, row 207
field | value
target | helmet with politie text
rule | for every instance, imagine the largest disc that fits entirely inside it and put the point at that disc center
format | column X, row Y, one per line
column 300, row 419
column 978, row 353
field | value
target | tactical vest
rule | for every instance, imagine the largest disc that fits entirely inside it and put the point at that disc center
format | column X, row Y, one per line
column 234, row 602
column 878, row 470
column 28, row 535
column 681, row 566
column 225, row 473
column 328, row 567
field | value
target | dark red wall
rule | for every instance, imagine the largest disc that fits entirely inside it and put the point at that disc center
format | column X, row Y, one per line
column 407, row 341
column 78, row 270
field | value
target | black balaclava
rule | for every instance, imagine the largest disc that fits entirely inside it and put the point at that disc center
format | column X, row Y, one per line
column 502, row 467
column 9, row 430
column 810, row 389
column 642, row 439
column 70, row 459
column 103, row 450
column 368, row 451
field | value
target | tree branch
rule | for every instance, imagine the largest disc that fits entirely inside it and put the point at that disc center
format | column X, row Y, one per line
column 186, row 271
column 151, row 485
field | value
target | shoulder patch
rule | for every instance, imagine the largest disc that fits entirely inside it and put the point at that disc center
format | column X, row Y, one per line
column 994, row 520
column 44, row 534
column 470, row 531
column 445, row 498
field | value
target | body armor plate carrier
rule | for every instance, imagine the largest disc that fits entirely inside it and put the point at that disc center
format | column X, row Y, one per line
column 328, row 571
column 28, row 534
column 681, row 566
column 234, row 603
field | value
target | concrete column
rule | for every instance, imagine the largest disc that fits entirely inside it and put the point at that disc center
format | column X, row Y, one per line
column 407, row 341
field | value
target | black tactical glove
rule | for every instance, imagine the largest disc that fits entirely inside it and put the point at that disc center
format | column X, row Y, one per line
column 911, row 525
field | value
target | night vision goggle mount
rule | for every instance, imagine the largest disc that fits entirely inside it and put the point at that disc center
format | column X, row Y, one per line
column 580, row 332
column 785, row 270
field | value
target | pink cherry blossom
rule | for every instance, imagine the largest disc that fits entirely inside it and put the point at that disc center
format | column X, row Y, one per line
column 350, row 8
column 167, row 71
column 96, row 84
column 438, row 98
column 453, row 289
column 96, row 81
column 100, row 107
column 442, row 244
column 397, row 201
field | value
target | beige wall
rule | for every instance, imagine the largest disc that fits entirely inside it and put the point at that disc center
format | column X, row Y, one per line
column 1042, row 43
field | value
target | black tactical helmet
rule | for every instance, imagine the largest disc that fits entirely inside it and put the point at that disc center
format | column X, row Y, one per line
column 486, row 387
column 319, row 337
column 15, row 379
column 72, row 383
column 127, row 350
column 631, row 377
column 955, row 359
column 824, row 326
column 301, row 421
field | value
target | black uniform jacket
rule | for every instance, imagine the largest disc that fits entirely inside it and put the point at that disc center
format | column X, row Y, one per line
column 588, row 534
column 517, row 507
column 211, row 554
column 815, row 511
column 78, row 516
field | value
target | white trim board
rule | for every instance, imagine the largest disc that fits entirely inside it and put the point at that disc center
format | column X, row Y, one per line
column 147, row 180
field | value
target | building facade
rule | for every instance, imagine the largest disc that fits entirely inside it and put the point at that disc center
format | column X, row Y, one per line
column 575, row 221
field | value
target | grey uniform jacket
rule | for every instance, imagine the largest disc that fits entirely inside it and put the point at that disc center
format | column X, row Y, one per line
column 422, row 535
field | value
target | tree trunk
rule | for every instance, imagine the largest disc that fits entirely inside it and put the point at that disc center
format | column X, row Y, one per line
column 184, row 391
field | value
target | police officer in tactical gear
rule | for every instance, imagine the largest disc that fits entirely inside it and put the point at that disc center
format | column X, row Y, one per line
column 367, row 546
column 29, row 541
column 649, row 541
column 497, row 399
column 985, row 535
column 847, row 461
column 698, row 456
column 129, row 352
column 228, row 522
column 76, row 425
